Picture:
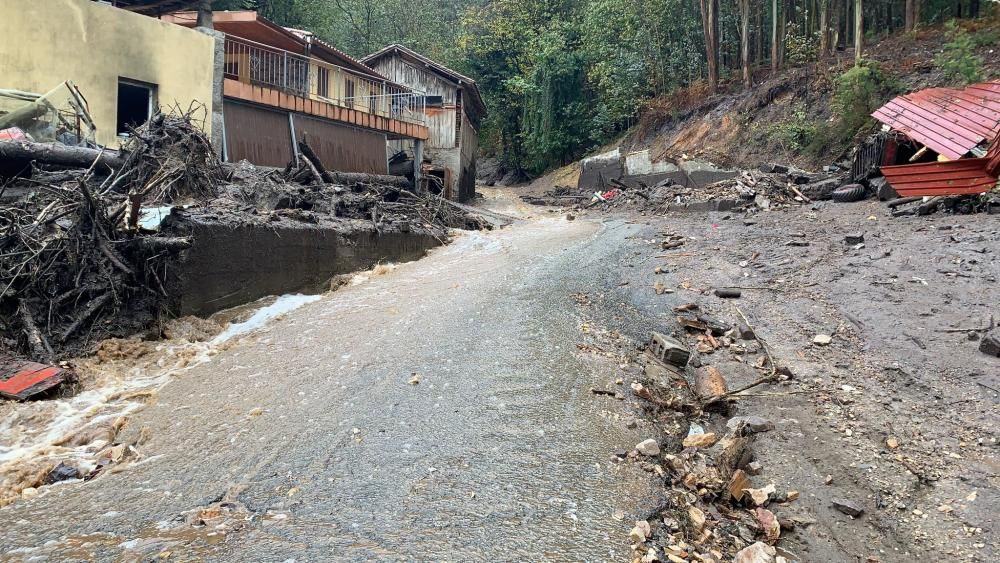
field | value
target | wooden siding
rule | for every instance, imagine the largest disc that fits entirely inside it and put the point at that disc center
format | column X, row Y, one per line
column 257, row 134
column 440, row 120
column 347, row 149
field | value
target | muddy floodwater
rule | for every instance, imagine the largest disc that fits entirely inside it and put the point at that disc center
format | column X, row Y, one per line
column 439, row 410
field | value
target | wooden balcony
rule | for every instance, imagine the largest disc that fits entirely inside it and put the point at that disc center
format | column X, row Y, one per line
column 272, row 77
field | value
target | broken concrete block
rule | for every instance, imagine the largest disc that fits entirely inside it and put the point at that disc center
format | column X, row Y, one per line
column 848, row 507
column 854, row 238
column 990, row 343
column 668, row 350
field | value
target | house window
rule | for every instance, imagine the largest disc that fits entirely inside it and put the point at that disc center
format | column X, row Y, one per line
column 348, row 92
column 323, row 82
column 135, row 104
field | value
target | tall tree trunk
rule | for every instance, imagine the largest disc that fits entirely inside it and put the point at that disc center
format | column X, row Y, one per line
column 859, row 31
column 758, row 56
column 709, row 17
column 908, row 24
column 775, row 43
column 916, row 14
column 824, row 28
column 745, row 41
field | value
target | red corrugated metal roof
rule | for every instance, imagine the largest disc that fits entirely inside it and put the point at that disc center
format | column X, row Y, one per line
column 951, row 122
column 955, row 177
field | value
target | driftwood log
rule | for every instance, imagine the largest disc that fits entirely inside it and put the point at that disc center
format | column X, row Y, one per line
column 59, row 154
column 348, row 178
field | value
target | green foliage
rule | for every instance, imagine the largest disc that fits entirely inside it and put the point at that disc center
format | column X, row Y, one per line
column 800, row 48
column 795, row 133
column 856, row 94
column 958, row 59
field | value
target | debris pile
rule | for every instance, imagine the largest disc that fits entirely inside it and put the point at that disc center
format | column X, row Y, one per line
column 714, row 510
column 81, row 255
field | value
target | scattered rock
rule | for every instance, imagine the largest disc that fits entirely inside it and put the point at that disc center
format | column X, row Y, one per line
column 792, row 495
column 414, row 379
column 990, row 343
column 709, row 382
column 761, row 496
column 751, row 424
column 759, row 552
column 697, row 518
column 822, row 339
column 640, row 531
column 700, row 440
column 727, row 293
column 62, row 472
column 848, row 507
column 648, row 447
column 891, row 442
column 754, row 468
column 570, row 216
column 854, row 238
column 769, row 523
column 746, row 333
column 738, row 484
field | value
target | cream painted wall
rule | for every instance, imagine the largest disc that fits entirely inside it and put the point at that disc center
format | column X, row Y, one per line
column 48, row 41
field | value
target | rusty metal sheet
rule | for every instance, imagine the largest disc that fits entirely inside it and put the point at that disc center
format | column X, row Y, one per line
column 257, row 134
column 20, row 380
column 951, row 122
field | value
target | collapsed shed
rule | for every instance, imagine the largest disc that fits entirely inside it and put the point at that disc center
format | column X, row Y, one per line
column 945, row 141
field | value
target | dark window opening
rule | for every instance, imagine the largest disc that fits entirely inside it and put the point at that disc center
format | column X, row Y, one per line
column 135, row 105
column 434, row 101
column 323, row 82
column 349, row 93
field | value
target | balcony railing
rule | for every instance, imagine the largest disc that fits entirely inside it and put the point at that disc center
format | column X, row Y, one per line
column 262, row 65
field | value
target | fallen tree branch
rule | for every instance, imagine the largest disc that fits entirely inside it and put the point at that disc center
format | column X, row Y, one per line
column 59, row 154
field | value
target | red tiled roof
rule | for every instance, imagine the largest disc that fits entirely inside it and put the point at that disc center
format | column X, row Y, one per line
column 950, row 122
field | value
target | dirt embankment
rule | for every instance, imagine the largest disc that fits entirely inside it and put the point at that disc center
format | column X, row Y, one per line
column 744, row 128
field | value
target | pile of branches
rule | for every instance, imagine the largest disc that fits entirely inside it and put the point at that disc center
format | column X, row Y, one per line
column 74, row 266
column 385, row 200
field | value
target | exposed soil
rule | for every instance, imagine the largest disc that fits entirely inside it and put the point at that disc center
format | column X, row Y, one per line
column 898, row 414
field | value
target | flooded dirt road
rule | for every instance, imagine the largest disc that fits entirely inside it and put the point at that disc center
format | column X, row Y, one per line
column 438, row 411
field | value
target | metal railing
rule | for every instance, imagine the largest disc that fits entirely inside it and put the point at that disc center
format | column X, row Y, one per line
column 262, row 65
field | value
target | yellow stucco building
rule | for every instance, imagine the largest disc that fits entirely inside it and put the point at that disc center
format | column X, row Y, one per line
column 124, row 63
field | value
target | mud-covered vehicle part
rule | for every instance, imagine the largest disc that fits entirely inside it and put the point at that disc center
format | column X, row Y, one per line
column 848, row 193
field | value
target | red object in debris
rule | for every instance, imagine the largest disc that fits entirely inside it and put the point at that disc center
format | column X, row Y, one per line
column 950, row 122
column 20, row 380
column 955, row 177
column 12, row 134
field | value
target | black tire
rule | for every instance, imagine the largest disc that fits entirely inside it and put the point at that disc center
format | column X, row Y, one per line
column 848, row 193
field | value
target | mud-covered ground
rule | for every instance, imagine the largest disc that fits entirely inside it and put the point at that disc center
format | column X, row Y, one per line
column 898, row 413
column 443, row 409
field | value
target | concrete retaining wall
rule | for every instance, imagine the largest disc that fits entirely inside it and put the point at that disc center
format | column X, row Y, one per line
column 234, row 264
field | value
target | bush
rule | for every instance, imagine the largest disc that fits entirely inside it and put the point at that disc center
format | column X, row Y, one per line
column 795, row 133
column 856, row 94
column 800, row 48
column 958, row 59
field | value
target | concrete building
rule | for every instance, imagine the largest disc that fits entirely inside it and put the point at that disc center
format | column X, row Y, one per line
column 124, row 63
column 454, row 110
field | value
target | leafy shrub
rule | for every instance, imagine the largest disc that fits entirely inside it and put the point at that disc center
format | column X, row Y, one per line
column 958, row 59
column 800, row 48
column 856, row 94
column 795, row 133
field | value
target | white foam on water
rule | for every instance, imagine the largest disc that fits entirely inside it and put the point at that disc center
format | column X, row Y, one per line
column 281, row 306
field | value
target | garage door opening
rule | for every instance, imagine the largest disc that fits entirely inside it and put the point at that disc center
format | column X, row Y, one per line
column 135, row 104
